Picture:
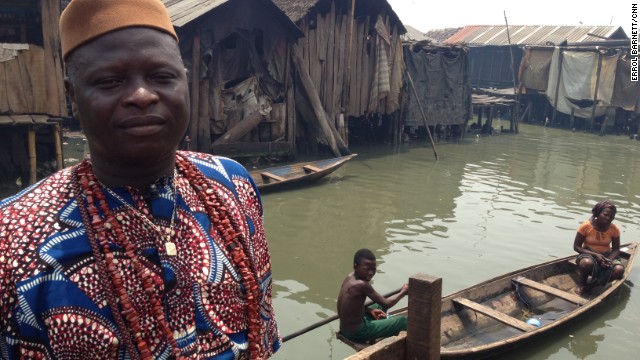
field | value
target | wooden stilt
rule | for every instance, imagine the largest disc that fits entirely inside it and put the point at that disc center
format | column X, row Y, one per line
column 57, row 140
column 31, row 139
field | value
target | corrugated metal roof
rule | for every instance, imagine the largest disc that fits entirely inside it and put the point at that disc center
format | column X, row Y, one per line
column 530, row 34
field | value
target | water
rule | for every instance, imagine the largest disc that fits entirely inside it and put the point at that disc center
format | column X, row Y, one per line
column 488, row 206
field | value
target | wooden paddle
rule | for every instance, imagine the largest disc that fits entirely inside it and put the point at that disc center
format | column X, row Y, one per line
column 328, row 320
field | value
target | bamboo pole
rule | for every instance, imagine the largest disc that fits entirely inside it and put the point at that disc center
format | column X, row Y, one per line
column 424, row 117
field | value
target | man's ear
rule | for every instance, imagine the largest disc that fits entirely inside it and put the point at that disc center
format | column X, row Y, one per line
column 71, row 93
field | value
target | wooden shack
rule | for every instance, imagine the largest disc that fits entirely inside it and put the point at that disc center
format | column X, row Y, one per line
column 31, row 90
column 237, row 52
column 349, row 69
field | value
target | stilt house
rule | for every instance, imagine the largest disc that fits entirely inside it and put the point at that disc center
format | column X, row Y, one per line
column 349, row 69
column 237, row 52
column 31, row 90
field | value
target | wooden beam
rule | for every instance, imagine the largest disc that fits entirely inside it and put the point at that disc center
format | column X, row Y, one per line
column 54, row 84
column 348, row 56
column 494, row 314
column 31, row 140
column 423, row 328
column 572, row 298
column 314, row 100
column 195, row 92
column 271, row 176
column 311, row 168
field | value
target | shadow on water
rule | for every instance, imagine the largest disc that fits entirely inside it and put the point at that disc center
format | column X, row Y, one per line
column 580, row 337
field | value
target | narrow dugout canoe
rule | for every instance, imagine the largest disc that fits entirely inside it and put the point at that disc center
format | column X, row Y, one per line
column 496, row 315
column 278, row 176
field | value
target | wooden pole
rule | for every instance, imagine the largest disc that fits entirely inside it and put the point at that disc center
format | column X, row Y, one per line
column 195, row 93
column 347, row 72
column 595, row 91
column 424, row 117
column 314, row 100
column 31, row 139
column 423, row 329
column 516, row 113
column 57, row 136
column 555, row 101
column 328, row 320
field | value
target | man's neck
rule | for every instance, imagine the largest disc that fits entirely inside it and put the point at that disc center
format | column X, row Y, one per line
column 135, row 175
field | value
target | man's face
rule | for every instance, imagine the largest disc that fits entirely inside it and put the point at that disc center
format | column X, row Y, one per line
column 365, row 270
column 130, row 93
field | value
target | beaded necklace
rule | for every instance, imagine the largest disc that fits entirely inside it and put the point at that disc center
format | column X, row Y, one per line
column 87, row 185
column 168, row 232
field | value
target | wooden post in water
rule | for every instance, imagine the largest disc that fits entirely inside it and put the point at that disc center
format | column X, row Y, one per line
column 423, row 330
column 555, row 101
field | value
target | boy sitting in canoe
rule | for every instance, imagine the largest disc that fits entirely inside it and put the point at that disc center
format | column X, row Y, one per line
column 363, row 324
column 598, row 243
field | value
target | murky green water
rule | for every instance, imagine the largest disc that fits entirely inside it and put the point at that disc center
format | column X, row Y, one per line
column 488, row 206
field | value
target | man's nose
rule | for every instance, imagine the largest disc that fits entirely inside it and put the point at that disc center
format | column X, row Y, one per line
column 141, row 95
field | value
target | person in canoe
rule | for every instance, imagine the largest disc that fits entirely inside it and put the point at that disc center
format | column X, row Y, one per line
column 363, row 324
column 598, row 244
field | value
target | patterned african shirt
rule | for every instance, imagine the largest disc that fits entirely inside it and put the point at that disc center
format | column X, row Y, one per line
column 53, row 304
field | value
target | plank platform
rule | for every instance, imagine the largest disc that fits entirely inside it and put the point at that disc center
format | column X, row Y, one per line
column 502, row 317
column 272, row 176
column 311, row 168
column 552, row 291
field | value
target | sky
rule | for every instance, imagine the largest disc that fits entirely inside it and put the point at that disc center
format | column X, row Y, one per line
column 426, row 15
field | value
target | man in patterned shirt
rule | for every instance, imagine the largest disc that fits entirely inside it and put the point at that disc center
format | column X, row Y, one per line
column 140, row 251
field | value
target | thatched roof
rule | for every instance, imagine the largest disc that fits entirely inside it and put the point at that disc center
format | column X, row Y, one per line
column 298, row 9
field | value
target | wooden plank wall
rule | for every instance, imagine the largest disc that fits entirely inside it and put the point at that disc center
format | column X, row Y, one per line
column 32, row 82
column 324, row 49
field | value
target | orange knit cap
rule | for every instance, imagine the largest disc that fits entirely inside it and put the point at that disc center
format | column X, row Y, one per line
column 85, row 20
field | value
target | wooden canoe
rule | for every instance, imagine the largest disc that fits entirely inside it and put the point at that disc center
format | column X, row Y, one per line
column 496, row 315
column 278, row 176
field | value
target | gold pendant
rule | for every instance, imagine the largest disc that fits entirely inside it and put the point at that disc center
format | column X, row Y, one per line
column 171, row 248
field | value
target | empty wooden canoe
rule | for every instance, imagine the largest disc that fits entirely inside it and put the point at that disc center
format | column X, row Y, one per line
column 278, row 176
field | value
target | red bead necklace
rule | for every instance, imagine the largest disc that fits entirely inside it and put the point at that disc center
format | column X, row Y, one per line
column 227, row 230
column 98, row 228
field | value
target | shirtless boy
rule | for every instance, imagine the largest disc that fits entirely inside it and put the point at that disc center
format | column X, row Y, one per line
column 357, row 322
